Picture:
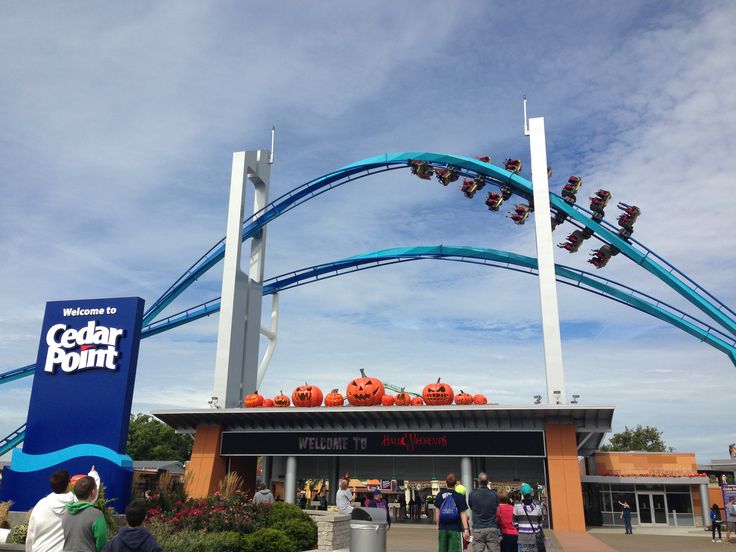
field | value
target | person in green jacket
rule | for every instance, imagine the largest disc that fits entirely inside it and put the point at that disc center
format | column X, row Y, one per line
column 85, row 529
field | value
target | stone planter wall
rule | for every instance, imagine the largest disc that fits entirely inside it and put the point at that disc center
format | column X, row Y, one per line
column 333, row 530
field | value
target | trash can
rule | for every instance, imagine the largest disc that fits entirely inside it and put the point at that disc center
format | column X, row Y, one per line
column 368, row 530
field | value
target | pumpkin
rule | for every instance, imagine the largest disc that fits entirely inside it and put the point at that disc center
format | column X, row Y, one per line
column 365, row 391
column 464, row 398
column 387, row 400
column 479, row 399
column 438, row 394
column 417, row 401
column 267, row 403
column 253, row 400
column 402, row 398
column 281, row 400
column 334, row 398
column 307, row 395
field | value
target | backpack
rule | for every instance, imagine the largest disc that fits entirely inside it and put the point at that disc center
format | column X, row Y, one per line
column 448, row 510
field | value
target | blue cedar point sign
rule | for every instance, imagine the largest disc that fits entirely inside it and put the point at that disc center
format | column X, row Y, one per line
column 81, row 398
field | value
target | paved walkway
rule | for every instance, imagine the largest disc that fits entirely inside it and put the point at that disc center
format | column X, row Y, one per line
column 413, row 538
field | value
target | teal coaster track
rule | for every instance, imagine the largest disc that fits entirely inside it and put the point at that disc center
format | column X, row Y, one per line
column 713, row 308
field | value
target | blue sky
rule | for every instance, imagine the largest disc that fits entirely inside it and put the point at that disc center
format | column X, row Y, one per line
column 117, row 125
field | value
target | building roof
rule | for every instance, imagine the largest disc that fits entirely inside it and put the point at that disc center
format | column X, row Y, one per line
column 591, row 422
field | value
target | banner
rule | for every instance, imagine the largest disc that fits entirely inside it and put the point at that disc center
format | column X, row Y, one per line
column 80, row 403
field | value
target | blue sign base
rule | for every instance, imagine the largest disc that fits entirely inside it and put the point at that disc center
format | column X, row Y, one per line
column 25, row 488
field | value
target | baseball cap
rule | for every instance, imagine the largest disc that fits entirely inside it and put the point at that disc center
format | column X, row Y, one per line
column 526, row 489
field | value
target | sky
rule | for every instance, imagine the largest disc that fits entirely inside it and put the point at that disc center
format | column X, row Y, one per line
column 118, row 123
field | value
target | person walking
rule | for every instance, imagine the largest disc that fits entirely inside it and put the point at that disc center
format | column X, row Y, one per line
column 451, row 518
column 505, row 520
column 626, row 516
column 528, row 518
column 134, row 537
column 715, row 522
column 84, row 526
column 402, row 506
column 322, row 498
column 264, row 495
column 344, row 498
column 483, row 503
column 378, row 502
column 730, row 517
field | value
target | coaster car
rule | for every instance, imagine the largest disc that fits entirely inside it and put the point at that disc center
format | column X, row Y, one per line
column 570, row 189
column 520, row 213
column 558, row 219
column 485, row 159
column 627, row 219
column 445, row 176
column 602, row 255
column 494, row 201
column 574, row 241
column 469, row 186
column 505, row 192
column 422, row 169
column 513, row 165
column 599, row 201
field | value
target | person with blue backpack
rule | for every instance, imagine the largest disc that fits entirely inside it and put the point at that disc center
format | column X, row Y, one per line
column 450, row 515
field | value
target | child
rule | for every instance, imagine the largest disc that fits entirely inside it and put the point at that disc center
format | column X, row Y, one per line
column 134, row 537
column 715, row 521
column 84, row 525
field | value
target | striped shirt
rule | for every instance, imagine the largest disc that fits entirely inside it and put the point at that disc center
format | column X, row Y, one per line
column 528, row 517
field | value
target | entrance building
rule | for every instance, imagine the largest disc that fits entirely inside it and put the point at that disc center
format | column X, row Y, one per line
column 535, row 444
column 662, row 489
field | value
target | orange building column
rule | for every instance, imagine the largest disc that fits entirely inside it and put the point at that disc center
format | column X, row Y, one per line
column 207, row 467
column 565, row 489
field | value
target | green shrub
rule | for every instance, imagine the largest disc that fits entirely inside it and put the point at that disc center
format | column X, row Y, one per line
column 302, row 533
column 268, row 540
column 224, row 542
column 18, row 535
column 283, row 511
column 197, row 541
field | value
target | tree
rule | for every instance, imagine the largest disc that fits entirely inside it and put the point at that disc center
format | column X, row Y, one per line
column 149, row 439
column 647, row 439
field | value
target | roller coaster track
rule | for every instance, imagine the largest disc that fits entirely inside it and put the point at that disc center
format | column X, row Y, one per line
column 464, row 166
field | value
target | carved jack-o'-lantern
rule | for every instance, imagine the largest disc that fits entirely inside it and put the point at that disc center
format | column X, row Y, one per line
column 267, row 403
column 437, row 394
column 463, row 398
column 253, row 400
column 307, row 395
column 403, row 398
column 365, row 391
column 281, row 400
column 479, row 399
column 387, row 400
column 417, row 401
column 334, row 398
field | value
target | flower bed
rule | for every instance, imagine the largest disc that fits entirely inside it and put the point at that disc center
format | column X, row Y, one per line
column 231, row 524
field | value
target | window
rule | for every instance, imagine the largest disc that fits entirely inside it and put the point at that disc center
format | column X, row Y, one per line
column 606, row 505
column 681, row 503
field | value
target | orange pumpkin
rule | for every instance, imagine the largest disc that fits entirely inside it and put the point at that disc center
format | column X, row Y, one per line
column 334, row 398
column 253, row 400
column 403, row 398
column 479, row 399
column 387, row 400
column 417, row 401
column 281, row 400
column 365, row 391
column 267, row 403
column 438, row 394
column 307, row 395
column 463, row 398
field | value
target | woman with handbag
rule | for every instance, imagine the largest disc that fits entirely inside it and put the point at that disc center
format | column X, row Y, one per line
column 528, row 519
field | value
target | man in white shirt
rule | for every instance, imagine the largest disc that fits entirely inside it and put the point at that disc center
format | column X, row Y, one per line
column 45, row 533
column 730, row 517
column 344, row 498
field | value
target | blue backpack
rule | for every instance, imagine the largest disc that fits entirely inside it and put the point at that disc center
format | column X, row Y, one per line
column 448, row 511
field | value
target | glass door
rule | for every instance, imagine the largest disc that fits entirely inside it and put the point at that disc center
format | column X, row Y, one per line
column 645, row 509
column 659, row 507
column 652, row 508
